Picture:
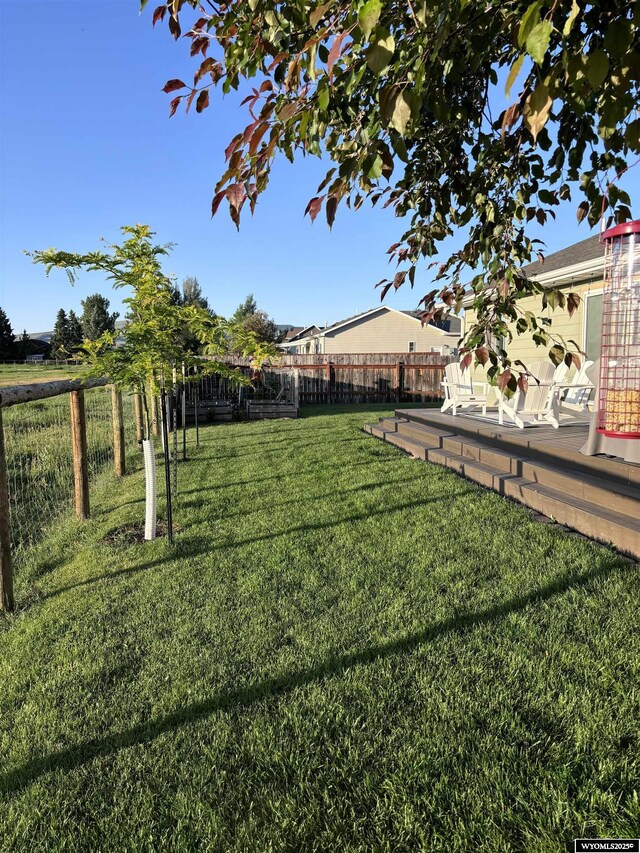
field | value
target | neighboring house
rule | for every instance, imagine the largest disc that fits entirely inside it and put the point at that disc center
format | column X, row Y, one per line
column 381, row 330
column 576, row 269
column 296, row 333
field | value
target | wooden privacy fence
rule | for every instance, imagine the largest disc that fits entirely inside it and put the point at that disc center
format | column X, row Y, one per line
column 35, row 447
column 358, row 377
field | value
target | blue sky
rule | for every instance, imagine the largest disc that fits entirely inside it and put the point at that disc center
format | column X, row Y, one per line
column 87, row 145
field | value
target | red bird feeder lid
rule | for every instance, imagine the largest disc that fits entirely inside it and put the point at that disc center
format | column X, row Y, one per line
column 622, row 230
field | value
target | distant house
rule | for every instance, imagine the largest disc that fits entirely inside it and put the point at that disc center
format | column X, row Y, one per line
column 295, row 333
column 381, row 329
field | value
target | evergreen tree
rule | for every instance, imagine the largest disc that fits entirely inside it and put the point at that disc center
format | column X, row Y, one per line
column 7, row 338
column 192, row 294
column 245, row 309
column 75, row 332
column 25, row 344
column 59, row 342
column 96, row 318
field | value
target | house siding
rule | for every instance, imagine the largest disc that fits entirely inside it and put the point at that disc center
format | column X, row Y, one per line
column 523, row 347
column 387, row 331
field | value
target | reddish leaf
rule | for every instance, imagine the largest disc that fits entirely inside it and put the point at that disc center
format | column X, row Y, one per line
column 334, row 53
column 173, row 106
column 573, row 300
column 503, row 379
column 583, row 209
column 399, row 278
column 172, row 85
column 215, row 204
column 385, row 290
column 257, row 136
column 267, row 86
column 331, row 207
column 231, row 147
column 203, row 101
column 159, row 14
column 194, row 92
column 236, row 195
column 465, row 362
column 503, row 288
column 174, row 27
column 523, row 383
column 482, row 354
column 314, row 206
column 575, row 360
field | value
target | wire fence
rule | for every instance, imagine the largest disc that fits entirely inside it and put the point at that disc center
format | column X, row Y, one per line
column 39, row 458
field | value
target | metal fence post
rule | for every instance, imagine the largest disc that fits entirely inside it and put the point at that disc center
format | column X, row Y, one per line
column 6, row 567
column 79, row 445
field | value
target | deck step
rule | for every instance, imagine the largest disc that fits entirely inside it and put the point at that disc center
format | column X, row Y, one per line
column 418, row 449
column 584, row 502
column 392, row 423
column 426, row 434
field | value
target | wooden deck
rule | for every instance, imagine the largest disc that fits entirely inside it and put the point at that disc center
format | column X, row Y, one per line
column 541, row 467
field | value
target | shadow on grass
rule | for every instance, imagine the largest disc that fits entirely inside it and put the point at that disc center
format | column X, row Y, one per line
column 245, row 697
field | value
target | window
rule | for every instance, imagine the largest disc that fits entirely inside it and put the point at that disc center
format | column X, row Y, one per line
column 412, row 346
column 593, row 320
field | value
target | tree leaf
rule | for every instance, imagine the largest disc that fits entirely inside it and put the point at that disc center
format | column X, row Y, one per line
column 556, row 354
column 536, row 109
column 380, row 50
column 331, row 207
column 597, row 68
column 401, row 112
column 538, row 41
column 513, row 74
column 482, row 354
column 575, row 11
column 173, row 85
column 314, row 206
column 583, row 209
column 203, row 101
column 368, row 16
column 528, row 22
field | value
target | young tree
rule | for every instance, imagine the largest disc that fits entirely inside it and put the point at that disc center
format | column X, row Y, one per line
column 60, row 342
column 402, row 97
column 154, row 336
column 96, row 318
column 75, row 332
column 7, row 338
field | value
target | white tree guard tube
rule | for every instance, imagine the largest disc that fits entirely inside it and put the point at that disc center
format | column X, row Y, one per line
column 150, row 486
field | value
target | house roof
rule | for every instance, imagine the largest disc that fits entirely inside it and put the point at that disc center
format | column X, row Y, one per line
column 582, row 261
column 586, row 250
column 415, row 315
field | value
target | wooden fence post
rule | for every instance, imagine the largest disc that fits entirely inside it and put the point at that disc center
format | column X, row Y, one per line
column 79, row 445
column 329, row 381
column 139, row 418
column 6, row 568
column 398, row 381
column 155, row 416
column 118, row 431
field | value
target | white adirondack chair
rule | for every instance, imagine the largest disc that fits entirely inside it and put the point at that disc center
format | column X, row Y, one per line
column 533, row 407
column 460, row 391
column 573, row 397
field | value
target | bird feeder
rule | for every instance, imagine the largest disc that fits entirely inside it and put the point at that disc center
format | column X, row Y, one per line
column 619, row 387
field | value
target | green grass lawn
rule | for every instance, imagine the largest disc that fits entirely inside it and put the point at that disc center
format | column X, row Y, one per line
column 346, row 650
column 24, row 374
